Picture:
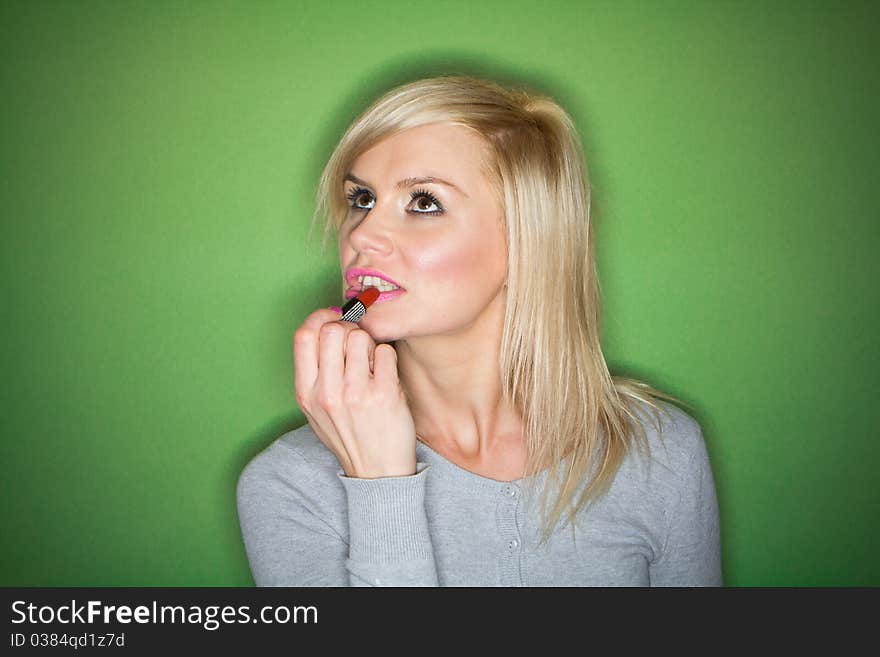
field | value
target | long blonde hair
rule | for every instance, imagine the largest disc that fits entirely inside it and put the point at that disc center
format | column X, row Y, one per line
column 552, row 367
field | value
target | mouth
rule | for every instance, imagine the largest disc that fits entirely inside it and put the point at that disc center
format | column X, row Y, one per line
column 364, row 278
column 360, row 279
column 356, row 289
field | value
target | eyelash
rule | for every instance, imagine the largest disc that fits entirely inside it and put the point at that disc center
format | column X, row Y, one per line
column 353, row 195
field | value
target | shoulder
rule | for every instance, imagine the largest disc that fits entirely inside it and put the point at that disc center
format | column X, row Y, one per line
column 677, row 438
column 676, row 455
column 292, row 464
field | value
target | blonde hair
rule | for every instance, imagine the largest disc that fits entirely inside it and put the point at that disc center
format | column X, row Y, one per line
column 552, row 367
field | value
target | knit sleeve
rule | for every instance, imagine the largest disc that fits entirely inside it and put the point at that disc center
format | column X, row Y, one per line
column 390, row 544
column 285, row 510
column 691, row 555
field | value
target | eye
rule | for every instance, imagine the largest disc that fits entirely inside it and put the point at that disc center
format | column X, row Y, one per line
column 425, row 194
column 355, row 197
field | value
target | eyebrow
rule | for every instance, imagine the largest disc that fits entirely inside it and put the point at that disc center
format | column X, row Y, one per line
column 408, row 182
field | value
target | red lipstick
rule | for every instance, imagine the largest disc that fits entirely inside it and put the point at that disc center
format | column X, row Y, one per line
column 356, row 307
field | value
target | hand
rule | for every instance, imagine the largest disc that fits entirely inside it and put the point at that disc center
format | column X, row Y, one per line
column 347, row 386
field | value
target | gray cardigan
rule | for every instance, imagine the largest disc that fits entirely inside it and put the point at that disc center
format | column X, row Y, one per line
column 305, row 523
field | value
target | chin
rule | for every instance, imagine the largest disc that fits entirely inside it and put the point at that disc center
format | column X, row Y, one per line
column 379, row 333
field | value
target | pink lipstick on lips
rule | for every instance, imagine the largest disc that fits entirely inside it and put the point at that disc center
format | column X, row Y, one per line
column 351, row 277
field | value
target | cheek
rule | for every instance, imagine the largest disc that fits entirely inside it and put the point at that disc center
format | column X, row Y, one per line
column 347, row 254
column 461, row 262
column 440, row 263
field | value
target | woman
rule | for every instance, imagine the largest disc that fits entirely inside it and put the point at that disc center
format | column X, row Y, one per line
column 435, row 422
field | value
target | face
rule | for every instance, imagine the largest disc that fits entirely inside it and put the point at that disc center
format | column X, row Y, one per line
column 443, row 245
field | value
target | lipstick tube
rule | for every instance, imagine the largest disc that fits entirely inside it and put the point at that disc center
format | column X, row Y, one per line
column 356, row 307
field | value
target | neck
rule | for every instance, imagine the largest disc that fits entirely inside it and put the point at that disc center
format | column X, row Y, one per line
column 453, row 387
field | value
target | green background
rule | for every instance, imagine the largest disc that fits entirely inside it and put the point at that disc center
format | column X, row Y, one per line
column 158, row 167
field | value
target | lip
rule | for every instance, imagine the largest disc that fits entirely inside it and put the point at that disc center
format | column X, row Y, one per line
column 352, row 274
column 383, row 296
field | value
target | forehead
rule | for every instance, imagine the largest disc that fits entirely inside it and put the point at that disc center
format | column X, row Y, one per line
column 447, row 151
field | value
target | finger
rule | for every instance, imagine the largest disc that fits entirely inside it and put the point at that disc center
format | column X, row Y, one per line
column 357, row 359
column 331, row 362
column 305, row 351
column 385, row 364
column 320, row 317
column 305, row 364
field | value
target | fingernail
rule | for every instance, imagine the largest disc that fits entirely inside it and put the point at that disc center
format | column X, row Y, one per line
column 336, row 308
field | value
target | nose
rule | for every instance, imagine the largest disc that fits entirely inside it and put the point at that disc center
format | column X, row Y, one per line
column 372, row 231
